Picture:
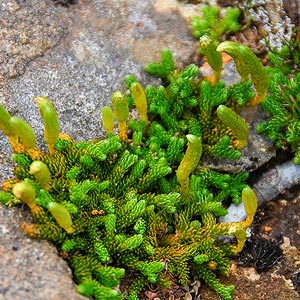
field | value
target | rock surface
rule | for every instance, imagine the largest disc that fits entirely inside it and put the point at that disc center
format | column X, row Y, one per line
column 272, row 18
column 77, row 56
column 30, row 269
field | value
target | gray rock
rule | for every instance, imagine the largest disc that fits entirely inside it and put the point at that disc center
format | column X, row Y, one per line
column 270, row 184
column 30, row 269
column 236, row 213
column 277, row 180
column 273, row 19
column 27, row 31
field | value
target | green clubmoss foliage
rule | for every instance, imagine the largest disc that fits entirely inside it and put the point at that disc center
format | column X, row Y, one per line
column 283, row 99
column 130, row 204
column 213, row 25
column 139, row 201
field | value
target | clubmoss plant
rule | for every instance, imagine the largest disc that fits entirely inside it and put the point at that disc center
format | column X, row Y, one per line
column 114, row 207
column 139, row 201
column 211, row 30
column 213, row 24
column 189, row 105
column 283, row 99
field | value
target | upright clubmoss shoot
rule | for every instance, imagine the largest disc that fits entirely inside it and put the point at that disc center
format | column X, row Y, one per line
column 121, row 111
column 107, row 119
column 248, row 64
column 189, row 162
column 41, row 173
column 51, row 124
column 140, row 101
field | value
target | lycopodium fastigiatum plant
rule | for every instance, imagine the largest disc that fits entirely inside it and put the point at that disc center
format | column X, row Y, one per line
column 139, row 201
column 126, row 204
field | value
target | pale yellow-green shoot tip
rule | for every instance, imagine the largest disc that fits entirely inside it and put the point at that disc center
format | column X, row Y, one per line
column 62, row 216
column 107, row 119
column 51, row 124
column 26, row 193
column 140, row 101
column 41, row 173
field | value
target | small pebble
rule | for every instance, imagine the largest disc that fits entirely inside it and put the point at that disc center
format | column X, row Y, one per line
column 267, row 229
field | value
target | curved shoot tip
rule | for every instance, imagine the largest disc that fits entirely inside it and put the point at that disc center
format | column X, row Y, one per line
column 247, row 63
column 107, row 119
column 25, row 192
column 40, row 100
column 140, row 101
column 194, row 147
column 61, row 215
column 227, row 45
column 250, row 204
column 191, row 138
column 51, row 124
column 4, row 121
column 23, row 131
column 238, row 229
column 41, row 173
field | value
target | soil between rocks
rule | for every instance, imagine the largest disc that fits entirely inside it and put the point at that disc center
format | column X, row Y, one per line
column 282, row 280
